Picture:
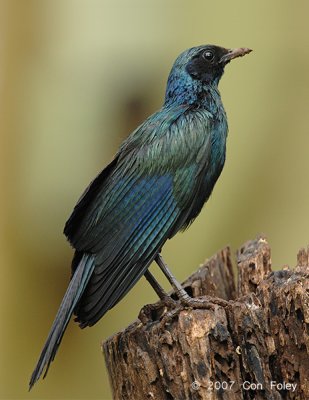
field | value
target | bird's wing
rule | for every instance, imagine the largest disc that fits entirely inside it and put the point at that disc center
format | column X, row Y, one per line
column 132, row 207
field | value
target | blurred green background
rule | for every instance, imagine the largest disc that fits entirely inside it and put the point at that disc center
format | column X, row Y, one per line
column 76, row 77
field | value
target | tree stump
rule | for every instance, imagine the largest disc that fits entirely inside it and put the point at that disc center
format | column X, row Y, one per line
column 256, row 346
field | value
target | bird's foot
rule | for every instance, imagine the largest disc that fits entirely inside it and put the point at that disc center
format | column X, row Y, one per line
column 169, row 315
column 155, row 312
column 168, row 308
column 169, row 302
column 205, row 302
column 185, row 302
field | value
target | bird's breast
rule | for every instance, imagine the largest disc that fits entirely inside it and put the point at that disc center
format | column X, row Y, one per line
column 212, row 168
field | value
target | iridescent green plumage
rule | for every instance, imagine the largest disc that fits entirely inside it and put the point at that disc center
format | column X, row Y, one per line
column 156, row 185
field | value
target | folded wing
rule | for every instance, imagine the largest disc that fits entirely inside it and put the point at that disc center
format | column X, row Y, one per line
column 135, row 204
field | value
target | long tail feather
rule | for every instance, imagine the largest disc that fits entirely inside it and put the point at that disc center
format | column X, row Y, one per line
column 75, row 290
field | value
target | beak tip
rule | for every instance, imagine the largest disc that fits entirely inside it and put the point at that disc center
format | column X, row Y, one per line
column 241, row 52
column 234, row 53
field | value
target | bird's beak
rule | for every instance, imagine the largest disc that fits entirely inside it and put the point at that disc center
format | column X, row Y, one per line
column 233, row 53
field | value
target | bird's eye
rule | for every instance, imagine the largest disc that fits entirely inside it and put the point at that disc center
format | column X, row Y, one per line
column 208, row 55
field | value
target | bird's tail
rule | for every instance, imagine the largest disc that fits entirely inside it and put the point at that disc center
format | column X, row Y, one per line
column 75, row 289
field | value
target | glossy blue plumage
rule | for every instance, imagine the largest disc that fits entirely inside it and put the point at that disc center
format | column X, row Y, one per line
column 156, row 185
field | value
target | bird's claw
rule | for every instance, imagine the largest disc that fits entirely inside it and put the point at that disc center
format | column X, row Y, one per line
column 154, row 312
column 205, row 302
column 169, row 315
column 168, row 308
column 169, row 302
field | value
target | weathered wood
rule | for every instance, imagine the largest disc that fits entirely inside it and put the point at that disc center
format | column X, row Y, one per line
column 254, row 264
column 246, row 349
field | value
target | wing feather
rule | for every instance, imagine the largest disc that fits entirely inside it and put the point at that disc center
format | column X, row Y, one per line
column 139, row 201
column 113, row 278
column 133, row 236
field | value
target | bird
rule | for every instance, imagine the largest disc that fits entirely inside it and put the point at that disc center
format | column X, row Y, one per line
column 154, row 187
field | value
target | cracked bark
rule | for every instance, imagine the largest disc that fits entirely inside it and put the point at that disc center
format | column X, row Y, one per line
column 246, row 350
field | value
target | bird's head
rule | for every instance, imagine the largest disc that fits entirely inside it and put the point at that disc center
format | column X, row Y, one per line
column 199, row 68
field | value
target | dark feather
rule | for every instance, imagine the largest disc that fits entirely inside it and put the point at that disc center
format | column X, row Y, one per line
column 156, row 185
column 75, row 289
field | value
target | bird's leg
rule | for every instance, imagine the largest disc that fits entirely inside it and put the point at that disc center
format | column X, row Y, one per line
column 183, row 296
column 180, row 291
column 159, row 289
column 158, row 310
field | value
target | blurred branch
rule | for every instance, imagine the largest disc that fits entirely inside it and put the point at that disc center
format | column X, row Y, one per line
column 257, row 346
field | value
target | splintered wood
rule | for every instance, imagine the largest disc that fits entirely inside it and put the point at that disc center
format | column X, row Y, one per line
column 254, row 347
